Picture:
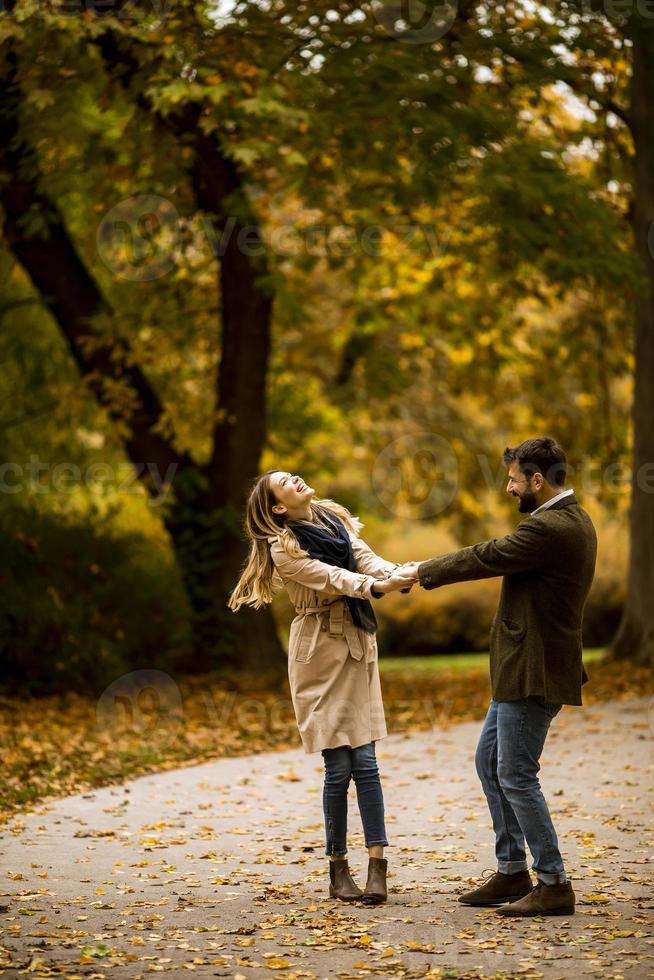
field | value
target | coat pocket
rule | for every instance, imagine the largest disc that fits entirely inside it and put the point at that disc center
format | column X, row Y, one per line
column 306, row 639
column 512, row 630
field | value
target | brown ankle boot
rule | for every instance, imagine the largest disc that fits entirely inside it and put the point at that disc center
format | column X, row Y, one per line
column 341, row 884
column 499, row 888
column 543, row 900
column 375, row 890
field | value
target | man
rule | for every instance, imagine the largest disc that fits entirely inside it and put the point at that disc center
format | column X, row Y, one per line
column 535, row 664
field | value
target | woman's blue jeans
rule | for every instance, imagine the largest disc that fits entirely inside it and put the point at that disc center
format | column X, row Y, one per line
column 507, row 762
column 342, row 764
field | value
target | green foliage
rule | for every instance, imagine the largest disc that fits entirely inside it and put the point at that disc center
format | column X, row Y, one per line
column 80, row 605
column 542, row 214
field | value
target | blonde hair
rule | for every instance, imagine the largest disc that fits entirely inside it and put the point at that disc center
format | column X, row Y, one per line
column 255, row 586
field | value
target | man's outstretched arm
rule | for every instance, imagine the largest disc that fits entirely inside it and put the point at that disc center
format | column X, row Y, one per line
column 526, row 549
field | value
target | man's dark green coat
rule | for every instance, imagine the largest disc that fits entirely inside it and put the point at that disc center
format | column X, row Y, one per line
column 548, row 565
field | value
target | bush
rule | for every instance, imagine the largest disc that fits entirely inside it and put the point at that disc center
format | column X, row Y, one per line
column 81, row 604
column 431, row 623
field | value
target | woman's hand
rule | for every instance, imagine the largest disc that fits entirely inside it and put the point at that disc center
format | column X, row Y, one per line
column 410, row 567
column 401, row 578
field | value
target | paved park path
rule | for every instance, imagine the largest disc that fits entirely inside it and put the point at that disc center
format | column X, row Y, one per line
column 218, row 870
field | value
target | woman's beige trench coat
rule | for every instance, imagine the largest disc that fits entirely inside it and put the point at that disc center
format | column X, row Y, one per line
column 332, row 664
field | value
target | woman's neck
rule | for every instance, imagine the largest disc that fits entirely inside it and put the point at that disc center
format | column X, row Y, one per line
column 304, row 515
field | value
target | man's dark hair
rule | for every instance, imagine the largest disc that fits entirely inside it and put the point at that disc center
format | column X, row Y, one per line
column 540, row 455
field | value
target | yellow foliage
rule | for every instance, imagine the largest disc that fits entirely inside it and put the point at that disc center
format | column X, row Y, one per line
column 460, row 356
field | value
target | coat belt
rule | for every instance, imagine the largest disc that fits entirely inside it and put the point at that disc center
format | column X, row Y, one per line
column 336, row 612
column 338, row 626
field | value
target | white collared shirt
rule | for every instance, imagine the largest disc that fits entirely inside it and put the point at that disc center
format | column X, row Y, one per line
column 552, row 500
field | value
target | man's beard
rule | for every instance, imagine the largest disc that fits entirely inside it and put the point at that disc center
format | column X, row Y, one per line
column 527, row 503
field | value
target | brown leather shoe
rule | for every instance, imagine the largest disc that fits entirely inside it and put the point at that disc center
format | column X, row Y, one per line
column 544, row 900
column 375, row 890
column 341, row 883
column 499, row 888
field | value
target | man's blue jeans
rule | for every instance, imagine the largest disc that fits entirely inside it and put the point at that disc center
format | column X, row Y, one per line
column 342, row 764
column 507, row 761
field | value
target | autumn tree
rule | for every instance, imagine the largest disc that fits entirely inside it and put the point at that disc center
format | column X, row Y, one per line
column 471, row 118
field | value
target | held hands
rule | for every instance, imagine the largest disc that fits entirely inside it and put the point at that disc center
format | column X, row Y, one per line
column 403, row 578
column 410, row 568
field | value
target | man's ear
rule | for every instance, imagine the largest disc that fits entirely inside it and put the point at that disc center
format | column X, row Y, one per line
column 538, row 480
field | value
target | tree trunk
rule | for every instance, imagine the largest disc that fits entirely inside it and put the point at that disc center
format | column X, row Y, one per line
column 635, row 636
column 210, row 551
column 207, row 503
column 206, row 521
column 240, row 425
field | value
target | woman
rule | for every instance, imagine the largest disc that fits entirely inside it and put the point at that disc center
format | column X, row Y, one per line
column 313, row 548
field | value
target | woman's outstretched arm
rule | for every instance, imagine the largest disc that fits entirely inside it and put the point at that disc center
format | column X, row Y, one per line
column 369, row 562
column 330, row 579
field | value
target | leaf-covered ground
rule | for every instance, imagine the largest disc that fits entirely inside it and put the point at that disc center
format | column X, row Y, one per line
column 219, row 870
column 57, row 746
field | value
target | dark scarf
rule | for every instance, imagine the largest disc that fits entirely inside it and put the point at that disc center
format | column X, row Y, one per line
column 335, row 549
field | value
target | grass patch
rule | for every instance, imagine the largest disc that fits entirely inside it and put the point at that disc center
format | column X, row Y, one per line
column 455, row 662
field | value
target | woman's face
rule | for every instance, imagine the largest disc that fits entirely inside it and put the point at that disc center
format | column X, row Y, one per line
column 291, row 493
